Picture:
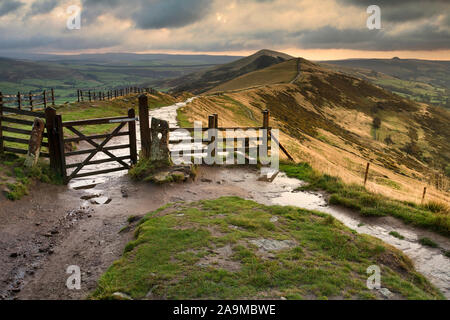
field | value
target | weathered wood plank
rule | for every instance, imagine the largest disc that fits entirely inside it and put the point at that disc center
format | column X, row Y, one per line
column 79, row 152
column 17, row 121
column 99, row 136
column 91, row 121
column 24, row 112
column 74, row 165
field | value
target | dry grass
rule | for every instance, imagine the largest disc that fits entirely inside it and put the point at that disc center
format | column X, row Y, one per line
column 327, row 152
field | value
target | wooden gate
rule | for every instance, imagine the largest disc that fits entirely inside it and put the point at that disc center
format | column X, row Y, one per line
column 98, row 147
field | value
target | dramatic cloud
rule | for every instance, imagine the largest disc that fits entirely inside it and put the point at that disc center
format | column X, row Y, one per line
column 149, row 14
column 223, row 25
column 43, row 6
column 7, row 7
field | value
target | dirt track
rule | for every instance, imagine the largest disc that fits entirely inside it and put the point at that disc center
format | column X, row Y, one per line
column 54, row 228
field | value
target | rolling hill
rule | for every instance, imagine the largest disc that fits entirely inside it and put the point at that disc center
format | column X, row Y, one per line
column 66, row 74
column 205, row 80
column 284, row 72
column 338, row 123
column 419, row 80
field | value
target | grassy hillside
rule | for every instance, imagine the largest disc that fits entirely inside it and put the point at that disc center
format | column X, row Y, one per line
column 419, row 80
column 284, row 72
column 219, row 249
column 208, row 79
column 338, row 123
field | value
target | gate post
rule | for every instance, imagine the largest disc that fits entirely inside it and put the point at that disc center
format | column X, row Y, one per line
column 132, row 136
column 54, row 145
column 145, row 126
column 60, row 137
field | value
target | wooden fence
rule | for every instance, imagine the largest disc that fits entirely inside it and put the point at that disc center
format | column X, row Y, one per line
column 96, row 95
column 28, row 101
column 245, row 143
column 16, row 122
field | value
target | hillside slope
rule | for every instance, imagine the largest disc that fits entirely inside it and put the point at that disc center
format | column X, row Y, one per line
column 283, row 72
column 338, row 123
column 420, row 80
column 203, row 81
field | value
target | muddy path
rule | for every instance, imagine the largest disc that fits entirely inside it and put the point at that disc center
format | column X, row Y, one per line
column 69, row 230
column 79, row 224
column 39, row 241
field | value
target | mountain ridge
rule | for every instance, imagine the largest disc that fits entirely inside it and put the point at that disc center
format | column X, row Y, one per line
column 205, row 80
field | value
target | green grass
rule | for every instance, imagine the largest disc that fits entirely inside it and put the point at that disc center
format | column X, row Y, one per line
column 17, row 178
column 435, row 217
column 183, row 120
column 203, row 250
column 428, row 242
column 397, row 235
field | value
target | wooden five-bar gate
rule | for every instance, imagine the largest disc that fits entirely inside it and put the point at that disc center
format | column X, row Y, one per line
column 70, row 171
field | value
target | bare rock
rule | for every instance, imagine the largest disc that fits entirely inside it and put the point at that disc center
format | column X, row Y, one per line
column 121, row 296
column 273, row 245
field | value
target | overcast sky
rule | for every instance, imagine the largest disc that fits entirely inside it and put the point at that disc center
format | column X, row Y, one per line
column 314, row 29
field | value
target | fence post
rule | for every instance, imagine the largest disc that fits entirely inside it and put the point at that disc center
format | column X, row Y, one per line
column 78, row 95
column 30, row 96
column 266, row 115
column 145, row 126
column 19, row 100
column 211, row 135
column 45, row 99
column 53, row 97
column 132, row 130
column 424, row 194
column 81, row 96
column 367, row 173
column 89, row 93
column 1, row 129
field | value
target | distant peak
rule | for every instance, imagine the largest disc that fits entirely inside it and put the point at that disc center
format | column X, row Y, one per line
column 272, row 53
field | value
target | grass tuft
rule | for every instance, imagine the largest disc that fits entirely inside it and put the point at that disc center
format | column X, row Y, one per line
column 434, row 216
column 428, row 242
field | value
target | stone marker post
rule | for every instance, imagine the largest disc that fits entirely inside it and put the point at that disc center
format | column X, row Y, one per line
column 159, row 150
column 34, row 147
